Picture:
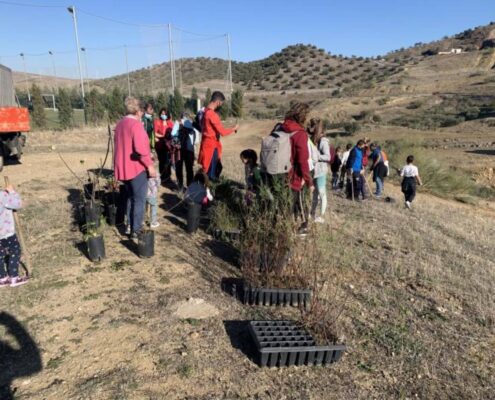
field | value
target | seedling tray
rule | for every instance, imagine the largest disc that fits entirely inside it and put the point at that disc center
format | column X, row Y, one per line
column 275, row 297
column 284, row 344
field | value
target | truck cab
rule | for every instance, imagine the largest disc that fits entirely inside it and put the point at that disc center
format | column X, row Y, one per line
column 14, row 120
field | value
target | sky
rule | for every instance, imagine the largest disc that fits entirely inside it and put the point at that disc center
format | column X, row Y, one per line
column 257, row 29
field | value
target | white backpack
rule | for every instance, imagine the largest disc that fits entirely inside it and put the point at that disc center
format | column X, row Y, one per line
column 276, row 152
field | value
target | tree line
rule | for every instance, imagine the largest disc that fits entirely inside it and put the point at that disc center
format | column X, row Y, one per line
column 109, row 107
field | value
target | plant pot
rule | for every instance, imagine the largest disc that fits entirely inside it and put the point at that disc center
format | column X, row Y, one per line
column 146, row 244
column 88, row 192
column 92, row 213
column 285, row 343
column 275, row 297
column 111, row 211
column 96, row 248
column 193, row 216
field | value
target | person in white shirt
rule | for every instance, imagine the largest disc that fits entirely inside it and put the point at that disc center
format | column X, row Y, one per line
column 411, row 177
column 343, row 170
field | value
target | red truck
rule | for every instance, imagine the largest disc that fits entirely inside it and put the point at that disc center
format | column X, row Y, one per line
column 14, row 120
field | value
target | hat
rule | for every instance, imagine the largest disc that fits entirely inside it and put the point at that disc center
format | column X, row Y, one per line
column 188, row 124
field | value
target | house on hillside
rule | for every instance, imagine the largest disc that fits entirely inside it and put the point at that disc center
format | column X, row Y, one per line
column 452, row 51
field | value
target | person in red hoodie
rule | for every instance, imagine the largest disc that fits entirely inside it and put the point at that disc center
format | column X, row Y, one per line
column 163, row 127
column 299, row 175
column 210, row 152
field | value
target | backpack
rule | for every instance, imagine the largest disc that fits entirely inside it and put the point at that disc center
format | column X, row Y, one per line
column 276, row 152
column 198, row 120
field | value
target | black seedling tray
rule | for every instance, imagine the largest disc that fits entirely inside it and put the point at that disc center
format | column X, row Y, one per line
column 284, row 344
column 275, row 297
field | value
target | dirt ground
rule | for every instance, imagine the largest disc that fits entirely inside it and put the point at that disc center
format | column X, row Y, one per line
column 419, row 320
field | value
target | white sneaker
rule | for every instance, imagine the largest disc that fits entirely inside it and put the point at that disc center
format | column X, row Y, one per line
column 408, row 205
column 319, row 220
column 128, row 230
column 154, row 224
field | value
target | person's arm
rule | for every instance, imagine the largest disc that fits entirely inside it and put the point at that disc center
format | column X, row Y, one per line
column 302, row 157
column 324, row 155
column 141, row 146
column 11, row 199
column 218, row 126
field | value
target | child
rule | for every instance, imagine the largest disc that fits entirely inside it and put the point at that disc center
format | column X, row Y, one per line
column 335, row 167
column 198, row 191
column 152, row 196
column 10, row 249
column 411, row 178
column 251, row 170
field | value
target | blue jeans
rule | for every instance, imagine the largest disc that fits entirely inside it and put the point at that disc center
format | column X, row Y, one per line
column 137, row 189
column 379, row 186
column 319, row 193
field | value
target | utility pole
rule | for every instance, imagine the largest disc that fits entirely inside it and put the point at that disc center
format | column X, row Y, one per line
column 25, row 76
column 230, row 64
column 72, row 10
column 171, row 54
column 85, row 56
column 127, row 69
column 54, row 70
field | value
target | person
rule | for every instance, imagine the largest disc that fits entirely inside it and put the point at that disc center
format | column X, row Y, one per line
column 188, row 137
column 132, row 162
column 174, row 150
column 252, row 172
column 343, row 170
column 410, row 174
column 148, row 123
column 210, row 153
column 299, row 175
column 10, row 249
column 152, row 195
column 320, row 170
column 335, row 167
column 365, row 193
column 198, row 191
column 354, row 166
column 378, row 168
column 163, row 127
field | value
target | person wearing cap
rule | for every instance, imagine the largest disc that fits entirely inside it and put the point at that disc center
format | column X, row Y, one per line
column 188, row 137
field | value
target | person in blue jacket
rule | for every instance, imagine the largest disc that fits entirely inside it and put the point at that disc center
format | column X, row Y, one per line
column 354, row 167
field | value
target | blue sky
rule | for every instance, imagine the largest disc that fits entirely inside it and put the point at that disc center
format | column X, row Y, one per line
column 257, row 28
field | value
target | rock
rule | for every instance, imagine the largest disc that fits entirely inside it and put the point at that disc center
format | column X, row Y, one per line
column 195, row 308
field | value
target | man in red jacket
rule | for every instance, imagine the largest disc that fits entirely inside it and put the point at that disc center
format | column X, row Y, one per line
column 210, row 152
column 299, row 175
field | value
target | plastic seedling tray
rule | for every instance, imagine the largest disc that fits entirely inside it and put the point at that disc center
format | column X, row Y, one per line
column 275, row 297
column 284, row 344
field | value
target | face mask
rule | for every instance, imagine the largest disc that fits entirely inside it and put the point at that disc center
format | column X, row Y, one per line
column 163, row 117
column 149, row 116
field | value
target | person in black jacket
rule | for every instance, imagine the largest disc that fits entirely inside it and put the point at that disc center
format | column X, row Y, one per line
column 378, row 168
column 335, row 168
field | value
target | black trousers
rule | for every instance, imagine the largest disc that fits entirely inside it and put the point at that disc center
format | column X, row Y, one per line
column 409, row 188
column 300, row 207
column 187, row 161
column 164, row 163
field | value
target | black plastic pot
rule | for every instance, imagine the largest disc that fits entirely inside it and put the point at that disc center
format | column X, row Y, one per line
column 96, row 248
column 88, row 192
column 111, row 212
column 285, row 343
column 193, row 216
column 146, row 244
column 92, row 213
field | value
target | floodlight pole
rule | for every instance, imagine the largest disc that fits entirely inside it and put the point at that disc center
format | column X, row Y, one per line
column 127, row 69
column 171, row 54
column 72, row 10
column 85, row 56
column 230, row 64
column 25, row 76
column 54, row 70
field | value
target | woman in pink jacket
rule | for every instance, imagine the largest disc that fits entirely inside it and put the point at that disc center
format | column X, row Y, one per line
column 132, row 161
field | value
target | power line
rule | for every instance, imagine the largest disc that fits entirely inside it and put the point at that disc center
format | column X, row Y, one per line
column 117, row 21
column 12, row 3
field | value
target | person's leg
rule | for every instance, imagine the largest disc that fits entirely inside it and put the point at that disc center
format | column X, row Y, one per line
column 128, row 206
column 213, row 165
column 4, row 279
column 189, row 161
column 153, row 203
column 139, row 190
column 14, row 255
column 179, row 173
column 357, row 184
column 316, row 197
column 322, row 191
column 379, row 186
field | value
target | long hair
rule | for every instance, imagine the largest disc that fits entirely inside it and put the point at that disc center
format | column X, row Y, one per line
column 298, row 112
column 316, row 130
